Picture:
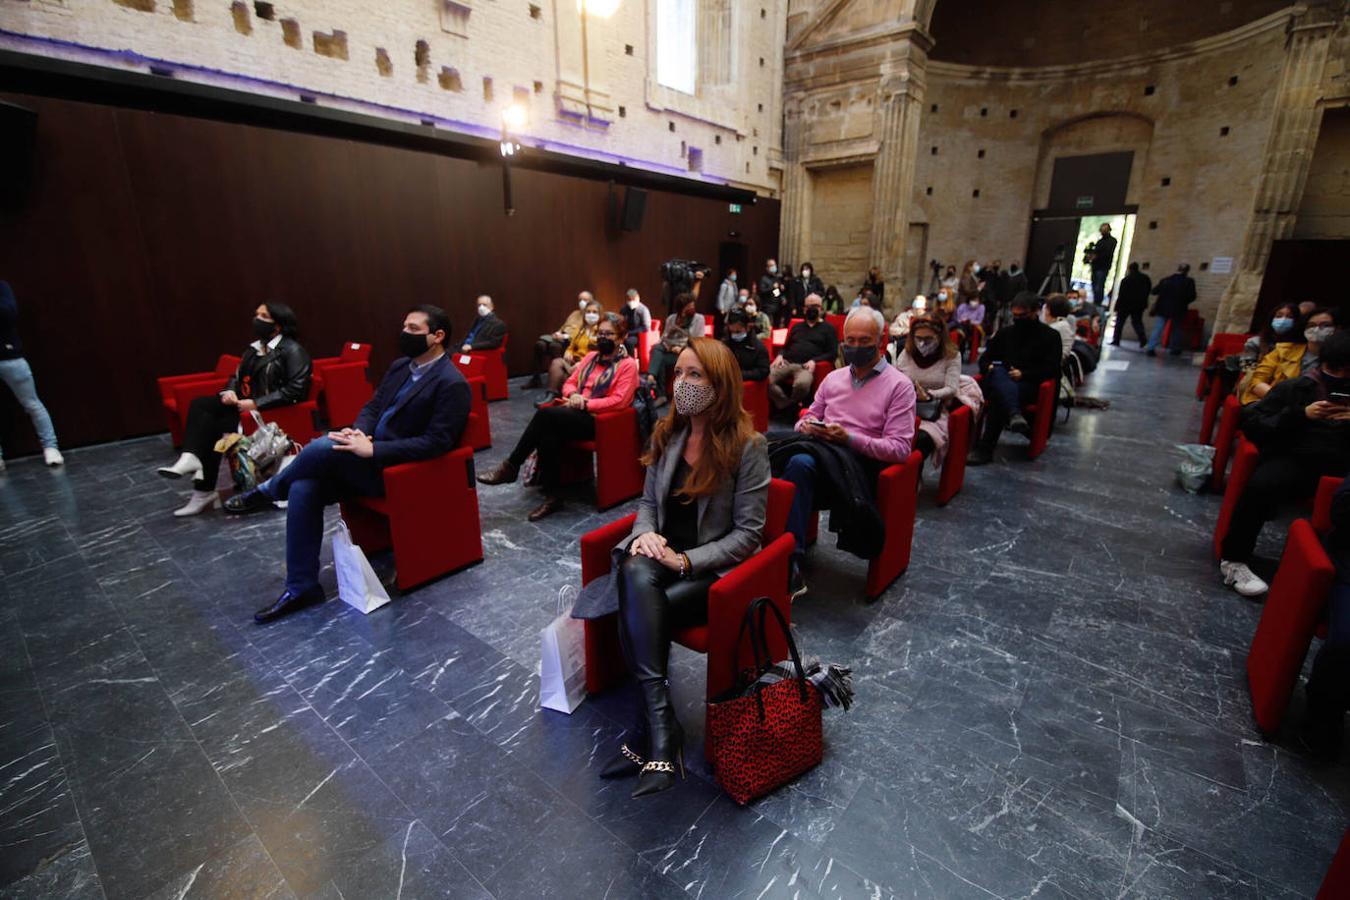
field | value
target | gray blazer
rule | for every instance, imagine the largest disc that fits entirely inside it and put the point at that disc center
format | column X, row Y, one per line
column 730, row 521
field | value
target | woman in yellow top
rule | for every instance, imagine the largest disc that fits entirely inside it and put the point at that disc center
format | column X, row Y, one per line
column 1289, row 359
column 580, row 345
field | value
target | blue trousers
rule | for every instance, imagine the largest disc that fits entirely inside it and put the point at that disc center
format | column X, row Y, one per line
column 320, row 475
column 801, row 471
column 1003, row 398
column 1173, row 340
column 1099, row 286
column 19, row 376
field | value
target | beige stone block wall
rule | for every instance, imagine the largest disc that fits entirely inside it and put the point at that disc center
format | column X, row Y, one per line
column 1021, row 119
column 406, row 59
column 841, row 225
column 1325, row 211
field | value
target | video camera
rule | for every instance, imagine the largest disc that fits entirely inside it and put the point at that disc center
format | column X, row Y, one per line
column 678, row 274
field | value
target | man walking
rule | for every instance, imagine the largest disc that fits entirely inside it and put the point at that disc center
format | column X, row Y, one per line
column 1131, row 301
column 1103, row 255
column 1175, row 293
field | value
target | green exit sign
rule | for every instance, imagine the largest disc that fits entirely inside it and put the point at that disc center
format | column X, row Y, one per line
column 735, row 207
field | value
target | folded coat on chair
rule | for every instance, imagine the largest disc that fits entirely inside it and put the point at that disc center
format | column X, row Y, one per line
column 847, row 488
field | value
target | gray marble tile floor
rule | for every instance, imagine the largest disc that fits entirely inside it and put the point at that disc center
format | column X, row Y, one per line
column 1051, row 703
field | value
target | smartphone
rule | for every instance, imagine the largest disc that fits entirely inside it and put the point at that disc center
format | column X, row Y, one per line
column 812, row 420
column 1339, row 398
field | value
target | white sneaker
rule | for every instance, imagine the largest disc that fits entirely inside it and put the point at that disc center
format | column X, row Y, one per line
column 52, row 457
column 1242, row 579
column 198, row 503
column 188, row 464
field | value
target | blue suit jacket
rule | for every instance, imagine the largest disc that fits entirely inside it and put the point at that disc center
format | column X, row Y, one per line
column 427, row 421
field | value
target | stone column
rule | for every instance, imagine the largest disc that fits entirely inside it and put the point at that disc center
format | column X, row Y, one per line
column 1284, row 168
column 901, row 104
column 796, row 185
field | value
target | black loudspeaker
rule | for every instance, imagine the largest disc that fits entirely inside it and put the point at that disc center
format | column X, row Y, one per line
column 634, row 205
column 17, row 148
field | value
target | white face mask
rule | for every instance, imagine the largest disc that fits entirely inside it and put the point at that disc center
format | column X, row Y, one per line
column 581, row 304
column 592, row 318
column 634, row 303
column 692, row 398
column 751, row 309
column 483, row 310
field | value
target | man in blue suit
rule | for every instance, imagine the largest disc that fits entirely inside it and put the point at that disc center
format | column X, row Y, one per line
column 418, row 412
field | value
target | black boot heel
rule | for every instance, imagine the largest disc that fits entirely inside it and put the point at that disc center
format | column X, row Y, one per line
column 625, row 763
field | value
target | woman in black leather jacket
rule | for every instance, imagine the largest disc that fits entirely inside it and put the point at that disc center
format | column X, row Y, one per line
column 274, row 371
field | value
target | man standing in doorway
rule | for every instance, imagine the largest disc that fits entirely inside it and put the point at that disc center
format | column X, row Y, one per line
column 1103, row 255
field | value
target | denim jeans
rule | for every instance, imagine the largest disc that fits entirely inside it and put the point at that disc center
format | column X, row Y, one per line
column 1099, row 286
column 19, row 376
column 1004, row 398
column 320, row 475
column 1173, row 340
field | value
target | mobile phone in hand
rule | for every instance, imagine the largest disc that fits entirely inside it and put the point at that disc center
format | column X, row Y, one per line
column 812, row 420
column 1339, row 398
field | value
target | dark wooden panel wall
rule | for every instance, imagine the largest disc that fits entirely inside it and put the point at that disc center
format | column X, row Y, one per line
column 147, row 239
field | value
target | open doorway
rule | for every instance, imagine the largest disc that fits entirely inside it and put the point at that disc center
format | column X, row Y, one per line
column 1071, row 235
column 1089, row 230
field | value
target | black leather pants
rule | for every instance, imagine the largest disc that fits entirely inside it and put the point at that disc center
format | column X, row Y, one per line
column 654, row 602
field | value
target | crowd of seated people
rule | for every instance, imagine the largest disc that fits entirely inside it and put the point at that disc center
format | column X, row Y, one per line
column 685, row 323
column 274, row 370
column 749, row 351
column 551, row 346
column 1297, row 346
column 577, row 349
column 1014, row 363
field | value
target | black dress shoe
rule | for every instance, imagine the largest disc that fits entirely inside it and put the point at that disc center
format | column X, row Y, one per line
column 288, row 603
column 250, row 501
column 547, row 508
column 980, row 457
column 1018, row 424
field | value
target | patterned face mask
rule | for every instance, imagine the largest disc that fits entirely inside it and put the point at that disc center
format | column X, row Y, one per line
column 692, row 398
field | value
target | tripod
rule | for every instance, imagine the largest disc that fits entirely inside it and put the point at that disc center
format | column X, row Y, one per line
column 1058, row 280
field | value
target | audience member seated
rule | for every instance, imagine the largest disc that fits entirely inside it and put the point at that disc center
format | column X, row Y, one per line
column 944, row 304
column 606, row 378
column 685, row 323
column 808, row 343
column 970, row 319
column 418, row 412
column 831, row 302
column 580, row 345
column 1014, row 363
column 637, row 318
column 1295, row 355
column 1328, row 689
column 701, row 514
column 1302, row 428
column 274, row 371
column 750, row 354
column 551, row 346
column 1279, row 327
column 866, row 298
column 760, row 323
column 1057, row 316
column 918, row 309
column 487, row 331
column 862, row 421
column 930, row 360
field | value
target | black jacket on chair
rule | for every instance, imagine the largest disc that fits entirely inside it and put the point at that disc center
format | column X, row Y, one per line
column 1278, row 425
column 279, row 378
column 487, row 332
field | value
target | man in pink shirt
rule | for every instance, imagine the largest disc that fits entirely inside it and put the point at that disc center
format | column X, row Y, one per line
column 866, row 407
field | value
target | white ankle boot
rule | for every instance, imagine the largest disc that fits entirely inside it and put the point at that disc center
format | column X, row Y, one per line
column 198, row 503
column 52, row 457
column 188, row 465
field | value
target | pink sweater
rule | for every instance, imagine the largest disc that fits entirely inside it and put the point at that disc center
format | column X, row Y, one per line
column 879, row 416
column 621, row 389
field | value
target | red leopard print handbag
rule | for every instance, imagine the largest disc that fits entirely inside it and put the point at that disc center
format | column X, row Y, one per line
column 764, row 734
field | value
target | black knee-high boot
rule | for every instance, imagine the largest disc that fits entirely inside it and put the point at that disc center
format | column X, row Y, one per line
column 644, row 615
column 632, row 752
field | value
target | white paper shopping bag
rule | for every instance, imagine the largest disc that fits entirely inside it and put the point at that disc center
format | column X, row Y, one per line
column 562, row 664
column 357, row 584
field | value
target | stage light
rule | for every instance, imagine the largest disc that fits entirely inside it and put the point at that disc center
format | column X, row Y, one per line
column 514, row 117
column 601, row 9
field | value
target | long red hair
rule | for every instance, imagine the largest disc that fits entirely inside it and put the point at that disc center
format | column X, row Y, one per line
column 729, row 425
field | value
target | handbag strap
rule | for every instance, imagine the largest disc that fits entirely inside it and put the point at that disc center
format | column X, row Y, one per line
column 756, row 639
column 766, row 606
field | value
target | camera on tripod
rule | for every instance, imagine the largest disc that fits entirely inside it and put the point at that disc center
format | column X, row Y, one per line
column 678, row 274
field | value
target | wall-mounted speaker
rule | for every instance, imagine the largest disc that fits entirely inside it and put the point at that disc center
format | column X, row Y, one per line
column 17, row 151
column 634, row 205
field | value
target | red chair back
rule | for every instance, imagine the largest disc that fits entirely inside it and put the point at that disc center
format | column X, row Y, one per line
column 837, row 320
column 755, row 400
column 1326, row 489
column 1229, row 419
column 776, row 513
column 1244, row 463
column 226, row 365
column 353, row 351
column 1288, row 620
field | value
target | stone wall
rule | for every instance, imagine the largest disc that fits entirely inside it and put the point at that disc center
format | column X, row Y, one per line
column 1325, row 210
column 1197, row 123
column 588, row 83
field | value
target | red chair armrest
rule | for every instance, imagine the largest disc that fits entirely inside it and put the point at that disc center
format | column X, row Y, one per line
column 597, row 545
column 430, row 482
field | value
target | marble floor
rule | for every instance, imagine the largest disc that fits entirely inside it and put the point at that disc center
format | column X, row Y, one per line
column 1051, row 702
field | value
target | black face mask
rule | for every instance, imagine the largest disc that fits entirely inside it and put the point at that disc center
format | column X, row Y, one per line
column 1024, row 324
column 860, row 357
column 412, row 345
column 812, row 313
column 605, row 345
column 263, row 329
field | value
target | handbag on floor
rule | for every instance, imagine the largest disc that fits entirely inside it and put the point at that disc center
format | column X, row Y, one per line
column 358, row 585
column 763, row 734
column 562, row 658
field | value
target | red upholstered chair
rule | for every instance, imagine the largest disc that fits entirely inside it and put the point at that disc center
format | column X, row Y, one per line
column 176, row 392
column 342, row 390
column 494, row 369
column 837, row 320
column 1042, row 416
column 353, row 351
column 776, row 341
column 1223, row 441
column 1336, row 884
column 1288, row 622
column 755, row 400
column 428, row 515
column 618, row 473
column 898, row 501
column 478, row 432
column 960, row 434
column 764, row 574
column 1214, row 397
column 646, row 341
column 1244, row 463
column 470, row 366
column 1321, row 517
column 1223, row 343
column 1192, row 331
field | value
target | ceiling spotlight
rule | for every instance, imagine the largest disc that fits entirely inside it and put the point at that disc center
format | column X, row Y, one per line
column 514, row 117
column 600, row 8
